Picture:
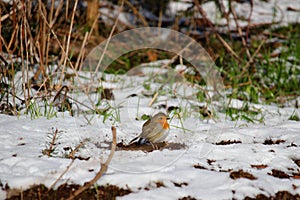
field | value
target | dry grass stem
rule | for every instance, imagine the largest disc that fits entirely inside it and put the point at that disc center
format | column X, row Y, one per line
column 69, row 61
column 81, row 53
column 68, row 42
column 240, row 31
column 109, row 38
column 224, row 43
column 137, row 13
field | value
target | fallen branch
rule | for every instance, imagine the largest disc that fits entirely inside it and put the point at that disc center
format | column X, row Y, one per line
column 102, row 170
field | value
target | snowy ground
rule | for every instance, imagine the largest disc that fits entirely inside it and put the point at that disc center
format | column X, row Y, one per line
column 279, row 11
column 202, row 170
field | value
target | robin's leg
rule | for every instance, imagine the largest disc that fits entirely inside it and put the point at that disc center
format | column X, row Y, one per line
column 154, row 146
column 166, row 143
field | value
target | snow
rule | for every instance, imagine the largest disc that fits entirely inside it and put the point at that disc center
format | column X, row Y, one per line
column 22, row 141
column 263, row 11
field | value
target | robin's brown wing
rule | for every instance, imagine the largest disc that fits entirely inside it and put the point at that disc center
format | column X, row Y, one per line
column 146, row 123
column 144, row 130
column 151, row 130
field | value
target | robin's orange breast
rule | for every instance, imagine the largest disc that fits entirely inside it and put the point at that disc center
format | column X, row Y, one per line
column 166, row 125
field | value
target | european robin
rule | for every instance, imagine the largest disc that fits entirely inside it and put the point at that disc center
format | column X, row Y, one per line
column 154, row 130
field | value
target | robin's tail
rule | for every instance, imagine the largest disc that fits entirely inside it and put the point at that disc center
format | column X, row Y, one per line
column 138, row 140
column 134, row 139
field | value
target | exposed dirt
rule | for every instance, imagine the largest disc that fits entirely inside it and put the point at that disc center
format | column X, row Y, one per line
column 278, row 196
column 188, row 198
column 227, row 142
column 279, row 174
column 183, row 184
column 297, row 162
column 148, row 147
column 270, row 141
column 241, row 174
column 111, row 192
column 259, row 166
column 64, row 191
column 198, row 166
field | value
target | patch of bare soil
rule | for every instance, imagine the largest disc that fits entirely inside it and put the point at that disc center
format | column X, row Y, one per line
column 188, row 198
column 227, row 142
column 281, row 195
column 262, row 166
column 182, row 184
column 279, row 174
column 198, row 166
column 241, row 174
column 271, row 142
column 148, row 147
column 297, row 162
column 64, row 191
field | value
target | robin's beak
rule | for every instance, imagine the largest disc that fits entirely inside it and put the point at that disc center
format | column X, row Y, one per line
column 168, row 118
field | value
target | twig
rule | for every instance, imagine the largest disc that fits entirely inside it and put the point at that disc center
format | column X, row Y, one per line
column 23, row 37
column 82, row 52
column 172, row 60
column 153, row 99
column 93, row 26
column 59, row 92
column 137, row 13
column 3, row 60
column 249, row 19
column 48, row 34
column 159, row 24
column 59, row 7
column 225, row 44
column 4, row 17
column 51, row 148
column 245, row 68
column 102, row 170
column 65, row 54
column 72, row 156
column 62, row 174
column 110, row 36
column 240, row 31
column 68, row 42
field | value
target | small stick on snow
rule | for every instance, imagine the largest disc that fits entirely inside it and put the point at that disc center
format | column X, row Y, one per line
column 103, row 168
column 153, row 99
column 72, row 156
